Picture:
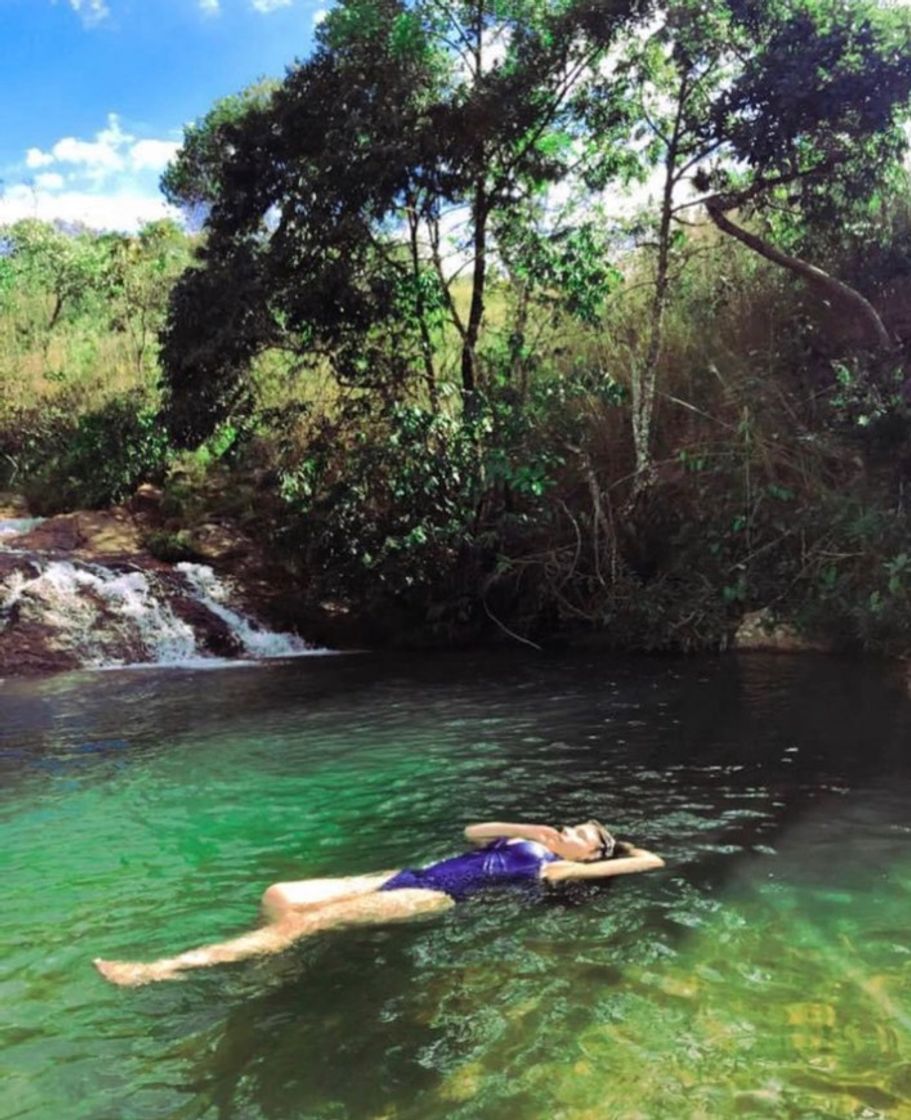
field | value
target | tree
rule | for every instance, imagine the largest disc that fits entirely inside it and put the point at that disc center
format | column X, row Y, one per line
column 64, row 267
column 140, row 272
column 662, row 94
column 332, row 197
column 787, row 112
column 811, row 123
column 191, row 182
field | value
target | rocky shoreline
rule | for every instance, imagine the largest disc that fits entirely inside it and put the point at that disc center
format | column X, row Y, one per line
column 118, row 540
column 77, row 582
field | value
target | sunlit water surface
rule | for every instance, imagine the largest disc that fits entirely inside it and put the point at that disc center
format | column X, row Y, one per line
column 765, row 972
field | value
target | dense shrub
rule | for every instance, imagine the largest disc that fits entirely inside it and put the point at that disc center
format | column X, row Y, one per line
column 93, row 460
column 383, row 507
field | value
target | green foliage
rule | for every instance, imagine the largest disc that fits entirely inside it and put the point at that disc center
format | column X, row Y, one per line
column 394, row 122
column 81, row 310
column 170, row 547
column 410, row 345
column 870, row 405
column 809, row 125
column 568, row 268
column 383, row 509
column 857, row 586
column 96, row 459
column 215, row 329
column 78, row 412
column 192, row 181
column 68, row 268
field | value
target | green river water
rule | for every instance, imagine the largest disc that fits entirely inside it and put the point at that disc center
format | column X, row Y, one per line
column 766, row 972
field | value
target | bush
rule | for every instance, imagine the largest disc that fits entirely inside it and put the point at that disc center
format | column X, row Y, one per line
column 170, row 547
column 94, row 460
column 383, row 507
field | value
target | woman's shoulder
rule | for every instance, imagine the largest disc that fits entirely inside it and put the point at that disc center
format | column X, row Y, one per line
column 531, row 848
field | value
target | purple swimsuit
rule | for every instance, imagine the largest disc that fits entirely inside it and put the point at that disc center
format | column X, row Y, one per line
column 501, row 862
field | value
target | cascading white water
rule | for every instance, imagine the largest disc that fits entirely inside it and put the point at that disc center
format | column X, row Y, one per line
column 256, row 641
column 107, row 617
column 97, row 612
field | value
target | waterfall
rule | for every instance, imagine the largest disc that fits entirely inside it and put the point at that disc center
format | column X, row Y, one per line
column 107, row 618
column 96, row 616
column 256, row 641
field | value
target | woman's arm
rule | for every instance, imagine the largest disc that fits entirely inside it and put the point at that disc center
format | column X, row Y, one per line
column 637, row 859
column 495, row 830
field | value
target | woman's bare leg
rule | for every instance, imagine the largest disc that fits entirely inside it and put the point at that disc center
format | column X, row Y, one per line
column 375, row 908
column 306, row 893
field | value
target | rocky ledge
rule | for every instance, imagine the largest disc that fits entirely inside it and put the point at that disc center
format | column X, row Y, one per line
column 762, row 631
column 85, row 589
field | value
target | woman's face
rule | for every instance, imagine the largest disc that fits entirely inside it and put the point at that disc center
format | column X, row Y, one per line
column 578, row 842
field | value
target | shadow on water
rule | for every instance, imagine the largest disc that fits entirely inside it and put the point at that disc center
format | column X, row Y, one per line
column 315, row 1028
column 369, row 1023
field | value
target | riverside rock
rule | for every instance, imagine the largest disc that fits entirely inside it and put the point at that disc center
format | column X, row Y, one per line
column 101, row 535
column 12, row 507
column 762, row 631
column 81, row 590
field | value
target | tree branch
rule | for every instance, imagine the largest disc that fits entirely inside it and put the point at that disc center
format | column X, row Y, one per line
column 861, row 308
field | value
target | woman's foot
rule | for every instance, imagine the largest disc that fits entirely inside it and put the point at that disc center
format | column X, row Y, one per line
column 129, row 975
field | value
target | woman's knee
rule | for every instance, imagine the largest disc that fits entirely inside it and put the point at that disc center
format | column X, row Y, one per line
column 276, row 900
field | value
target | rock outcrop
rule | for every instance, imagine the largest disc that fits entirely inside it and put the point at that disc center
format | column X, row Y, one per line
column 762, row 631
column 83, row 589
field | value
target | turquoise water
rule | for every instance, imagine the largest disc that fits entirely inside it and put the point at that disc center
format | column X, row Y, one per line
column 765, row 972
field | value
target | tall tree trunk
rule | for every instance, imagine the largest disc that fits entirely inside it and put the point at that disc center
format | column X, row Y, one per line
column 645, row 380
column 860, row 308
column 421, row 310
column 479, row 213
column 433, row 229
column 518, row 366
column 55, row 314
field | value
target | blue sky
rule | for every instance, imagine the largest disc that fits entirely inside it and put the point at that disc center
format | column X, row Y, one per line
column 95, row 93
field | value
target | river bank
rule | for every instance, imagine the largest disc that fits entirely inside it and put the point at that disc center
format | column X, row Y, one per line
column 137, row 541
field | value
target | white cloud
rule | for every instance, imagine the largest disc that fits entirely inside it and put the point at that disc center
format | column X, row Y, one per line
column 92, row 11
column 50, row 181
column 319, row 15
column 270, row 5
column 99, row 211
column 209, row 7
column 107, row 181
column 97, row 158
column 34, row 157
column 152, row 155
column 112, row 150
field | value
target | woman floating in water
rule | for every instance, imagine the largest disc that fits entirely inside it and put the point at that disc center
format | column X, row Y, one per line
column 510, row 853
